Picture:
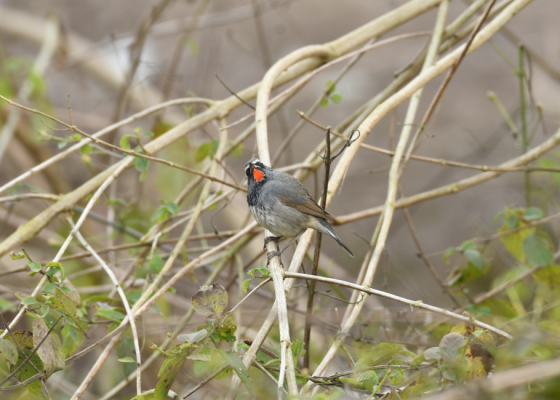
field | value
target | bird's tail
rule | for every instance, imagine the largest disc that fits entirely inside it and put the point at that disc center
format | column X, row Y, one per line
column 329, row 230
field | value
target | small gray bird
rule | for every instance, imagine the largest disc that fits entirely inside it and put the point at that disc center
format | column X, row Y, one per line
column 281, row 204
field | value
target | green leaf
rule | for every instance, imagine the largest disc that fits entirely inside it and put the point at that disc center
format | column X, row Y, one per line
column 172, row 208
column 141, row 164
column 127, row 360
column 86, row 149
column 259, row 272
column 27, row 371
column 56, row 304
column 5, row 304
column 397, row 374
column 532, row 213
column 167, row 378
column 239, row 368
column 29, row 300
column 149, row 134
column 161, row 214
column 223, row 337
column 298, row 348
column 35, row 266
column 537, row 251
column 433, row 353
column 62, row 144
column 49, row 287
column 211, row 299
column 54, row 266
column 367, row 379
column 37, row 82
column 200, row 357
column 71, row 339
column 246, row 284
column 111, row 315
column 324, row 102
column 512, row 221
column 468, row 245
column 9, row 350
column 353, row 383
column 514, row 241
column 125, row 141
column 50, row 352
column 451, row 347
column 17, row 256
column 76, row 136
column 193, row 337
column 227, row 326
column 448, row 253
column 238, row 150
column 202, row 152
column 44, row 310
column 336, row 98
column 475, row 258
column 125, row 348
column 68, row 294
column 202, row 367
column 330, row 86
column 419, row 359
column 156, row 264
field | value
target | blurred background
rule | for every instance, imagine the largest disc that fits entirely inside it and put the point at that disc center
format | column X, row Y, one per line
column 177, row 48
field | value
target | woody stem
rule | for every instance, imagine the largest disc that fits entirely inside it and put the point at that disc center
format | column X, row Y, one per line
column 311, row 287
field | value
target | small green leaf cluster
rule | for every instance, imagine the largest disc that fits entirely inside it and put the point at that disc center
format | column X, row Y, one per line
column 165, row 210
column 259, row 273
column 331, row 95
column 201, row 346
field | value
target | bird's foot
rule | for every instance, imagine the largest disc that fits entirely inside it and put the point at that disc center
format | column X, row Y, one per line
column 271, row 254
column 270, row 239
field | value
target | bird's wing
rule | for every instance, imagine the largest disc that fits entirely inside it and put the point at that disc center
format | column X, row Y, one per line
column 309, row 206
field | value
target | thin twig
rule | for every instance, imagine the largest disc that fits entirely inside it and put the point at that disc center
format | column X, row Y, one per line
column 233, row 93
column 205, row 381
column 439, row 161
column 445, row 82
column 418, row 303
column 100, row 133
column 460, row 185
column 311, row 288
column 268, row 375
column 422, row 255
column 122, row 295
column 73, row 128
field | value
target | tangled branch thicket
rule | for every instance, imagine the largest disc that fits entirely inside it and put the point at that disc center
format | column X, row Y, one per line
column 132, row 269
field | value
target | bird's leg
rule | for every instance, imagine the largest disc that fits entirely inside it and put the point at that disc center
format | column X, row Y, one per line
column 272, row 254
column 271, row 238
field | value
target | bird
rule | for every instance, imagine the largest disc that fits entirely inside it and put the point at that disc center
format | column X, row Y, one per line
column 281, row 204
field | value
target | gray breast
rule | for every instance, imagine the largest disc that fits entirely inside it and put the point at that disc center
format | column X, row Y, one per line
column 280, row 220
